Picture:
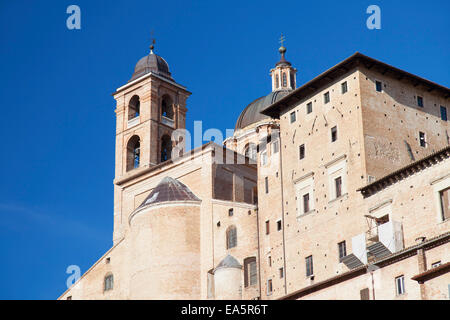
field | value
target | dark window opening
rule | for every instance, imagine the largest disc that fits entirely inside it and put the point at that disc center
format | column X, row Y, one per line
column 250, row 272
column 378, row 86
column 333, row 134
column 166, row 107
column 284, row 80
column 338, row 185
column 109, row 282
column 309, row 266
column 166, row 148
column 266, row 182
column 231, row 237
column 267, row 227
column 309, row 107
column 281, row 271
column 134, row 108
column 326, row 97
column 279, row 226
column 422, row 139
column 269, row 286
column 230, row 212
column 293, row 117
column 344, row 87
column 444, row 196
column 301, row 152
column 133, row 153
column 420, row 101
column 443, row 113
column 342, row 248
column 306, row 203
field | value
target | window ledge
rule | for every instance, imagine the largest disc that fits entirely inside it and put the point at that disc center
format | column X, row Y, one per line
column 306, row 213
column 133, row 122
column 345, row 195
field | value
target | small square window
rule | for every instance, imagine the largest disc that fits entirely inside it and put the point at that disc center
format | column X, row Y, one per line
column 230, row 212
column 293, row 117
column 344, row 87
column 420, row 101
column 400, row 285
column 333, row 134
column 301, row 152
column 378, row 86
column 326, row 97
column 443, row 113
column 309, row 107
column 279, row 226
column 422, row 140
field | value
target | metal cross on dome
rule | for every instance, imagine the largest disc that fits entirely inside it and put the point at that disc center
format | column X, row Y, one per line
column 282, row 39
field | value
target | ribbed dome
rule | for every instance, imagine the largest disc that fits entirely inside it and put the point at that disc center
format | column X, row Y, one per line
column 168, row 190
column 252, row 113
column 151, row 63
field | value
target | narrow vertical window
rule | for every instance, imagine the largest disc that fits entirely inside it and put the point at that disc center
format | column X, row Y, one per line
column 293, row 117
column 378, row 86
column 133, row 153
column 334, row 134
column 277, row 81
column 292, row 80
column 422, row 140
column 309, row 107
column 269, row 261
column 306, row 203
column 443, row 113
column 250, row 273
column 326, row 97
column 301, row 152
column 275, row 146
column 281, row 271
column 279, row 226
column 400, row 285
column 444, row 196
column 309, row 266
column 338, row 186
column 231, row 237
column 284, row 79
column 344, row 88
column 266, row 182
column 420, row 101
column 263, row 158
column 109, row 282
column 267, row 227
column 230, row 212
column 342, row 250
column 269, row 287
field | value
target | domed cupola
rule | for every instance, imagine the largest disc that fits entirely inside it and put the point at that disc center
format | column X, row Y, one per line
column 151, row 63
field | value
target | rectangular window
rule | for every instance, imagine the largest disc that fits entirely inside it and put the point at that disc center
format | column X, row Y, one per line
column 263, row 158
column 334, row 134
column 266, row 182
column 338, row 185
column 309, row 266
column 293, row 117
column 326, row 97
column 444, row 195
column 443, row 113
column 342, row 248
column 267, row 227
column 269, row 261
column 422, row 140
column 275, row 146
column 281, row 271
column 364, row 294
column 420, row 101
column 269, row 287
column 400, row 285
column 253, row 273
column 344, row 88
column 436, row 264
column 309, row 107
column 306, row 203
column 378, row 86
column 230, row 212
column 301, row 152
column 279, row 225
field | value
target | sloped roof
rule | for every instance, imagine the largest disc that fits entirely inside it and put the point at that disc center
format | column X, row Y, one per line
column 169, row 190
column 229, row 262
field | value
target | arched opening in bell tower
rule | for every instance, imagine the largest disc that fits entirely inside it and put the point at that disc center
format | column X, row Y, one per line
column 133, row 153
column 166, row 148
column 167, row 107
column 134, row 107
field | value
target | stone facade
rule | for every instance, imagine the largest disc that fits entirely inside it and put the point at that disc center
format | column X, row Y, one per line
column 342, row 198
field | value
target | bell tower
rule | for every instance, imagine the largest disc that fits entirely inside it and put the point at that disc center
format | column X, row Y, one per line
column 283, row 75
column 149, row 108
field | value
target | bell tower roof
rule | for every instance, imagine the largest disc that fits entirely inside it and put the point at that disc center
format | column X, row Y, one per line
column 283, row 75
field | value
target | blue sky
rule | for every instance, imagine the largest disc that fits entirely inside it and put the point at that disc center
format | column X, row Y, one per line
column 57, row 125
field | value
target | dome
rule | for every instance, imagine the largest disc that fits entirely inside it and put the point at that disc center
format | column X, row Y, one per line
column 252, row 113
column 229, row 262
column 151, row 63
column 168, row 190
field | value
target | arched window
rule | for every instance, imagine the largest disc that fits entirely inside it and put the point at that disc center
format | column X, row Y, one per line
column 108, row 282
column 231, row 237
column 250, row 273
column 284, row 79
column 134, row 108
column 133, row 153
column 292, row 81
column 167, row 107
column 250, row 151
column 166, row 148
column 277, row 81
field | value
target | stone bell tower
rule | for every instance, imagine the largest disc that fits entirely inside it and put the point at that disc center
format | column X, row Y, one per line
column 283, row 75
column 149, row 108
